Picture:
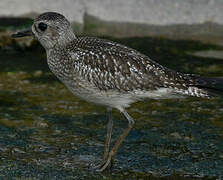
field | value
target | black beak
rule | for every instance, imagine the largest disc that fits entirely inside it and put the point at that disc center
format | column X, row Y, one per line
column 23, row 33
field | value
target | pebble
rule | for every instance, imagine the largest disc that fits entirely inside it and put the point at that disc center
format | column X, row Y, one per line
column 176, row 135
column 38, row 73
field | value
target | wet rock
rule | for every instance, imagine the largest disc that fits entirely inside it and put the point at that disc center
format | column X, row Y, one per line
column 38, row 139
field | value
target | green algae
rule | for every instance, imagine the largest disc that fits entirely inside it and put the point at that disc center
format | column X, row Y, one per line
column 47, row 133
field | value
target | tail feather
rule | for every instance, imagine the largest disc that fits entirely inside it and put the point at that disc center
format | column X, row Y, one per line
column 213, row 86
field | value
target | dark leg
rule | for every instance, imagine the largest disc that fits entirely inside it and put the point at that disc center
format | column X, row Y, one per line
column 112, row 153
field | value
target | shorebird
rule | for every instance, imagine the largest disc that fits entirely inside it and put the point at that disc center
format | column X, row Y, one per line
column 110, row 74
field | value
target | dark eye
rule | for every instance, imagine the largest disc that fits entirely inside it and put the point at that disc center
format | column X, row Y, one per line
column 42, row 26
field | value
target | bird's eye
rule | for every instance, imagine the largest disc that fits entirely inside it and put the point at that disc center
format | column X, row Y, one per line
column 42, row 26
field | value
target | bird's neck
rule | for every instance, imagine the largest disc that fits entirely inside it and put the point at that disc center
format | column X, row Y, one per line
column 66, row 38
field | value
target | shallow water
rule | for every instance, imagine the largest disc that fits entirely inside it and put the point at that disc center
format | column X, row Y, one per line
column 47, row 133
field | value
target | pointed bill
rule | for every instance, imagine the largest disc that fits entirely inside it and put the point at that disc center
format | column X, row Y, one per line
column 23, row 33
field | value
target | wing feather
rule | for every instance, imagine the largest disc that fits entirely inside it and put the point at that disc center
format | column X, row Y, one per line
column 109, row 65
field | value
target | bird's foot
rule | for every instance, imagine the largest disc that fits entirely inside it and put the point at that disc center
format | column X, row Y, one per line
column 105, row 164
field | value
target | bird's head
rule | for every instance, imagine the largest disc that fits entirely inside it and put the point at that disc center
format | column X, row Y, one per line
column 49, row 29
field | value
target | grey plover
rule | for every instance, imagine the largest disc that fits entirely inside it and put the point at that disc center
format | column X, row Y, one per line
column 110, row 74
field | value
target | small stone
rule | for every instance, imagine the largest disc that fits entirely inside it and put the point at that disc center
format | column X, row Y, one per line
column 38, row 73
column 3, row 149
column 42, row 124
column 11, row 73
column 18, row 150
column 176, row 135
column 187, row 138
column 25, row 82
column 22, row 73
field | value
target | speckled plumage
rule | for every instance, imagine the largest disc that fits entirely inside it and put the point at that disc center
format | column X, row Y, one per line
column 98, row 70
column 110, row 74
column 92, row 68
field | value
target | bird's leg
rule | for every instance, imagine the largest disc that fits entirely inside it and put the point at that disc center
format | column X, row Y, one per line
column 109, row 133
column 113, row 151
column 108, row 137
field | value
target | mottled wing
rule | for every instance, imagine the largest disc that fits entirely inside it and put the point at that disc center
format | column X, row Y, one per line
column 109, row 65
